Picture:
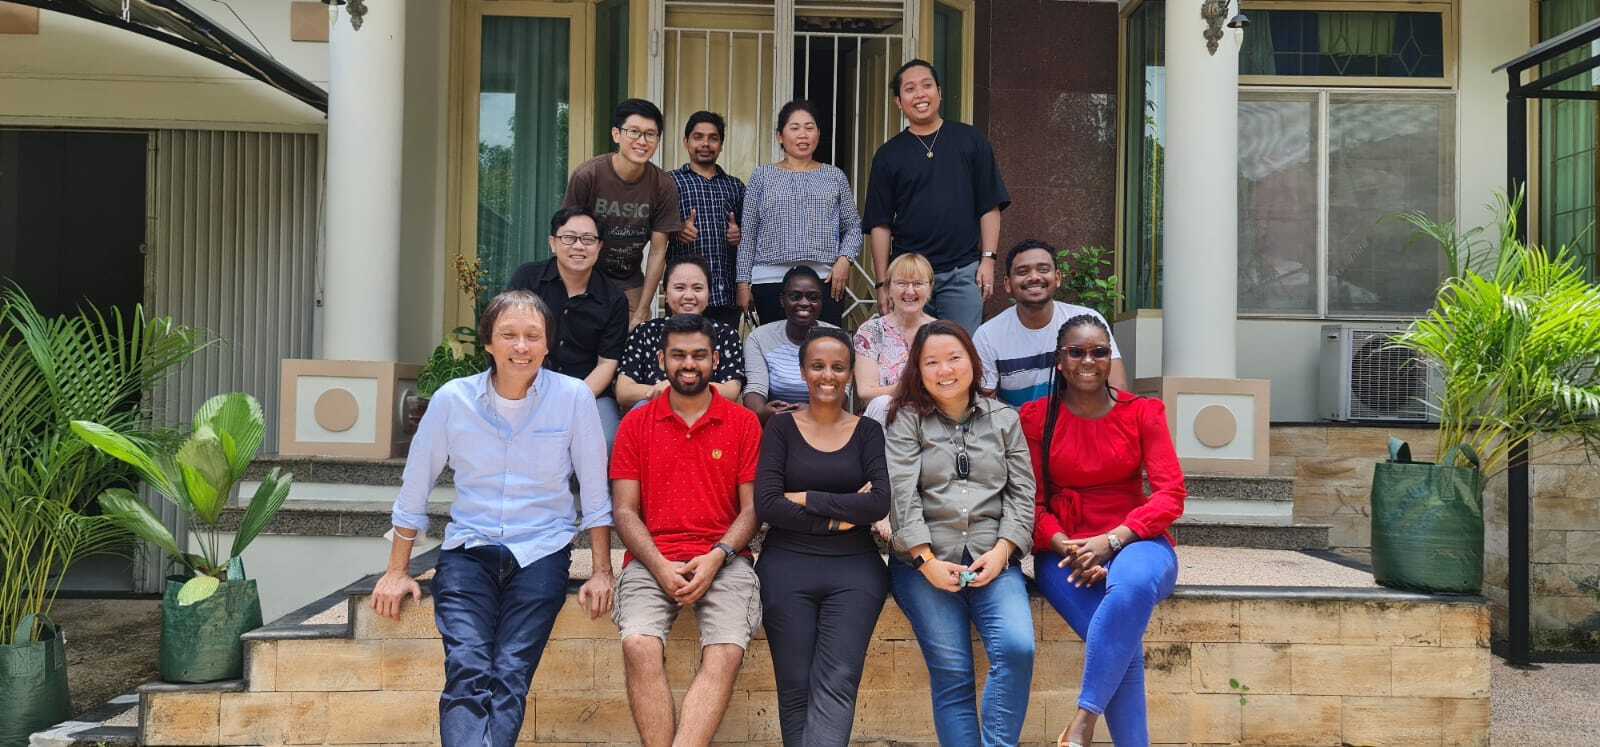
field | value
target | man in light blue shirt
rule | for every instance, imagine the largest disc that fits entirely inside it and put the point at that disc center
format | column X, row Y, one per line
column 516, row 436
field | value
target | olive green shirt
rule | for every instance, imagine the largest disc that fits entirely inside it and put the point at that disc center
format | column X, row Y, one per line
column 931, row 504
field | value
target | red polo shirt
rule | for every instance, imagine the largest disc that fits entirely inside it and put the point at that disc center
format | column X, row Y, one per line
column 688, row 477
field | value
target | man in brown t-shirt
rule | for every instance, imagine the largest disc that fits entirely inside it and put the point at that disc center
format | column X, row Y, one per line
column 635, row 201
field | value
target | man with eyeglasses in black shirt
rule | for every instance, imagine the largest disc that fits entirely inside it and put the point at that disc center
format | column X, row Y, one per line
column 589, row 313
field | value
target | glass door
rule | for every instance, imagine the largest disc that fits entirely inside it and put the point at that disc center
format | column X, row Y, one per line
column 526, row 124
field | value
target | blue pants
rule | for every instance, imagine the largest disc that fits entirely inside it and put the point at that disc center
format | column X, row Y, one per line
column 495, row 617
column 943, row 622
column 957, row 297
column 1111, row 619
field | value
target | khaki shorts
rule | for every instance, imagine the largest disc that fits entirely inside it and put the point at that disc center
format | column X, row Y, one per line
column 728, row 613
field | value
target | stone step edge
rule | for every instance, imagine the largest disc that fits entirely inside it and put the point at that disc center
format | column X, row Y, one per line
column 1298, row 537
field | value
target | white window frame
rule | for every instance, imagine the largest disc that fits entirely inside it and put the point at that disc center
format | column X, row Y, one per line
column 1323, row 94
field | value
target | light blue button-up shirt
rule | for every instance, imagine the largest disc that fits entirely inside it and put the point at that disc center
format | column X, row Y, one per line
column 512, row 486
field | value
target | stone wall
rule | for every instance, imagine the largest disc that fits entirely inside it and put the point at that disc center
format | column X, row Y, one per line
column 1321, row 668
column 1332, row 467
column 1045, row 80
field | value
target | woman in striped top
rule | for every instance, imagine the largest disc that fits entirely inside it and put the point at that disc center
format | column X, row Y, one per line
column 797, row 213
column 772, row 351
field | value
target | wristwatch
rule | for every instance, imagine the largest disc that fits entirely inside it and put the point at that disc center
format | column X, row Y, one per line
column 726, row 550
column 989, row 255
column 918, row 560
column 878, row 284
column 1114, row 542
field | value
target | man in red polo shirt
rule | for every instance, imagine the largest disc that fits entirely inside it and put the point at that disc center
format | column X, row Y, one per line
column 683, row 500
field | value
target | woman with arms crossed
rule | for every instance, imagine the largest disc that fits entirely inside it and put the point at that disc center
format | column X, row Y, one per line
column 962, row 511
column 515, row 436
column 1103, row 555
column 821, row 483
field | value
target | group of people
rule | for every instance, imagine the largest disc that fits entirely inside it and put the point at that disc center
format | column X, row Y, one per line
column 969, row 452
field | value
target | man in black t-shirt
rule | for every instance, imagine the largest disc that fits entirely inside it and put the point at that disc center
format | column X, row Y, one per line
column 936, row 190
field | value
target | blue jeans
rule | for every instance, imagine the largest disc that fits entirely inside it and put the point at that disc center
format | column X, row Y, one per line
column 943, row 623
column 956, row 296
column 1111, row 619
column 610, row 418
column 495, row 618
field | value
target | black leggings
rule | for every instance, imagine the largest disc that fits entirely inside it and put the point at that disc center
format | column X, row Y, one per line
column 819, row 612
column 769, row 309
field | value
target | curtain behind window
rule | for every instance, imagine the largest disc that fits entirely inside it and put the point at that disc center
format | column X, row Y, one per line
column 523, row 106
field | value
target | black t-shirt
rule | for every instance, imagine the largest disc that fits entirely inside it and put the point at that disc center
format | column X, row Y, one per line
column 932, row 205
column 831, row 480
column 587, row 327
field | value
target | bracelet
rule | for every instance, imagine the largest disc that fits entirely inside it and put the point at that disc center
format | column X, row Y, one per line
column 1116, row 544
column 878, row 284
column 413, row 536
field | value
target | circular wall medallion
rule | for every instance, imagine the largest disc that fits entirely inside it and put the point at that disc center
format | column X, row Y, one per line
column 336, row 410
column 1215, row 426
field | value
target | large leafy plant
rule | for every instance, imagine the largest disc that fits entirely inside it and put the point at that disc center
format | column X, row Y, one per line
column 1086, row 279
column 1515, row 332
column 198, row 475
column 84, row 365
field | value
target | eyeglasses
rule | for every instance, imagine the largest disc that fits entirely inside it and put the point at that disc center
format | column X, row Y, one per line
column 903, row 285
column 572, row 239
column 1097, row 353
column 634, row 133
column 963, row 463
column 798, row 296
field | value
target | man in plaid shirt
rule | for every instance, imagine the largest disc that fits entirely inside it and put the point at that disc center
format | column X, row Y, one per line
column 710, row 202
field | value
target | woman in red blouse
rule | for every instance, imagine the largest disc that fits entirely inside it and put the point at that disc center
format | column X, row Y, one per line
column 1103, row 555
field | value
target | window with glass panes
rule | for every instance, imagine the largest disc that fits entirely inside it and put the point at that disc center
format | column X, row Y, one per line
column 1346, row 122
column 1567, row 141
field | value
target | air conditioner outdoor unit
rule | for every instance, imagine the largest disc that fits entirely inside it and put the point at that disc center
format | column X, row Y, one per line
column 1364, row 377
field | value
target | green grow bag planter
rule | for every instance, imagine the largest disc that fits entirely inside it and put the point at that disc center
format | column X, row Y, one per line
column 1427, row 523
column 200, row 642
column 33, row 684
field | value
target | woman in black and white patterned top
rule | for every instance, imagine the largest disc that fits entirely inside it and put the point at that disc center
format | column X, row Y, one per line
column 639, row 374
column 797, row 212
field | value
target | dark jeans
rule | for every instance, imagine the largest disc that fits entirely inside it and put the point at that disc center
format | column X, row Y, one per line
column 495, row 618
column 769, row 309
column 819, row 612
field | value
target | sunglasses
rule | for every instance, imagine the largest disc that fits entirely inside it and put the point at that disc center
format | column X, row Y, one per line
column 1096, row 353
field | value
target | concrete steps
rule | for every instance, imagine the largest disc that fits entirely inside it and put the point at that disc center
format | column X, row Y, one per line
column 1245, row 512
column 1306, row 652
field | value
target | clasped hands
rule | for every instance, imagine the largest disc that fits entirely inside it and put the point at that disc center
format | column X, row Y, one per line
column 688, row 581
column 1086, row 557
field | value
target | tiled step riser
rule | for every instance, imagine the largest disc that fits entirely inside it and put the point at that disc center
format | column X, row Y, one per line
column 1351, row 668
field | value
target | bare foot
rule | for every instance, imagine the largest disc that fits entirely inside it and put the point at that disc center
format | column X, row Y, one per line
column 1080, row 733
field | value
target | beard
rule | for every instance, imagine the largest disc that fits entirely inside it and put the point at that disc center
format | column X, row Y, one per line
column 692, row 390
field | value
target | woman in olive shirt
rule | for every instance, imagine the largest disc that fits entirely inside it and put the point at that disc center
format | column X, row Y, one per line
column 962, row 496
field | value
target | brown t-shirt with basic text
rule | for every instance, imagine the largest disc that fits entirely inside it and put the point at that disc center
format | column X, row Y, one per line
column 627, row 211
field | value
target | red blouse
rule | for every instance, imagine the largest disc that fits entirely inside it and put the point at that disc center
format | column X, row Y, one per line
column 1097, row 471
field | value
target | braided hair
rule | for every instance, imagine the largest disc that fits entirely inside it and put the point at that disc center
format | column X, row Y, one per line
column 1058, row 383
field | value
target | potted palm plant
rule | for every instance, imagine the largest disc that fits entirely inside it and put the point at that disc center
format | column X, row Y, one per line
column 83, row 365
column 205, row 610
column 1515, row 335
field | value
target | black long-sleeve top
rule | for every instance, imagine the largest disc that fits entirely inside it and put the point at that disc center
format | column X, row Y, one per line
column 832, row 481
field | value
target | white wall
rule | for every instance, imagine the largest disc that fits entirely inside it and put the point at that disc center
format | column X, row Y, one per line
column 292, row 571
column 1492, row 32
column 79, row 73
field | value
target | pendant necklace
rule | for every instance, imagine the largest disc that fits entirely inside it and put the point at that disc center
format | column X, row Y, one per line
column 926, row 145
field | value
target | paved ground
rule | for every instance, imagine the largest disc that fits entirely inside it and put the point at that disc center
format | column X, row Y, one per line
column 1555, row 705
column 112, row 646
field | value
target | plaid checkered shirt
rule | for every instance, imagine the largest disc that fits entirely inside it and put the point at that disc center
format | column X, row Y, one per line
column 711, row 199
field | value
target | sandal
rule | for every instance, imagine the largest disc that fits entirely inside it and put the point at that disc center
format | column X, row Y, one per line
column 1062, row 741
